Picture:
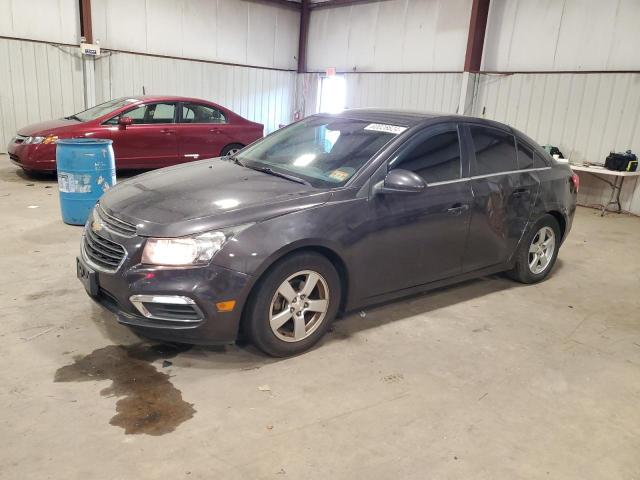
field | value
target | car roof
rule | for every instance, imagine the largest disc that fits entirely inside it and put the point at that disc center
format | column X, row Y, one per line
column 412, row 118
column 174, row 98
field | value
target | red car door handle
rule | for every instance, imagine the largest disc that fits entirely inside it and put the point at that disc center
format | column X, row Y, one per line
column 167, row 131
column 215, row 130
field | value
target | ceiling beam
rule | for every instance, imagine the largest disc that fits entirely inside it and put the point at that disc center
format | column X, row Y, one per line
column 340, row 3
column 282, row 3
column 305, row 13
column 475, row 40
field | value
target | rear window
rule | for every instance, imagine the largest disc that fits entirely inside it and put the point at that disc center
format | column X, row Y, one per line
column 495, row 150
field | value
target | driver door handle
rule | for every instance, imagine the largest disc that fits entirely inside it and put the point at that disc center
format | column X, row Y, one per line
column 167, row 131
column 458, row 208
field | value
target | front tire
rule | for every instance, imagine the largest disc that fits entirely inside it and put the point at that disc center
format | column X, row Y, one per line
column 538, row 251
column 293, row 306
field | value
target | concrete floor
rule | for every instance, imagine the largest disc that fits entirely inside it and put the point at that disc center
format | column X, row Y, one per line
column 488, row 379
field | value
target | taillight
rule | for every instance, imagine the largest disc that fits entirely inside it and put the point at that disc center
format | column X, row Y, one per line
column 575, row 181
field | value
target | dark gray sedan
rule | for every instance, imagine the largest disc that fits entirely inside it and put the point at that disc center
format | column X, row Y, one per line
column 329, row 214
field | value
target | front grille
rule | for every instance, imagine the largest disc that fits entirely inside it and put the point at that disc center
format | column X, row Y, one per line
column 115, row 224
column 170, row 311
column 102, row 252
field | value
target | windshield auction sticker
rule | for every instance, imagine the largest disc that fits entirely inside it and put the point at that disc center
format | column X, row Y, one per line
column 380, row 127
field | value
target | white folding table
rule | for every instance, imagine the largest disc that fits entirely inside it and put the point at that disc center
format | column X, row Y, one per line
column 616, row 185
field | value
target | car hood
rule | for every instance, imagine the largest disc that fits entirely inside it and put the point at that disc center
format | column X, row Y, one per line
column 52, row 126
column 205, row 195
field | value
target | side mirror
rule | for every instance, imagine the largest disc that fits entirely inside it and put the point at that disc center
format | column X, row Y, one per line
column 400, row 181
column 124, row 122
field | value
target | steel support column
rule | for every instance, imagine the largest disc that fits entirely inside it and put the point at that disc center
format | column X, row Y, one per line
column 86, row 30
column 475, row 40
column 305, row 12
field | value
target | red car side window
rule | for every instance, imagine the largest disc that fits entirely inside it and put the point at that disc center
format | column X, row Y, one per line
column 197, row 113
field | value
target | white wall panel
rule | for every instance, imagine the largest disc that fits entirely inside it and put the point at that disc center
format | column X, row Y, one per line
column 231, row 31
column 585, row 115
column 436, row 92
column 49, row 20
column 428, row 92
column 394, row 35
column 265, row 96
column 38, row 82
column 544, row 35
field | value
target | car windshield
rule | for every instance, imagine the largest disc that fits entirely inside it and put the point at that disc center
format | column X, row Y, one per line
column 102, row 109
column 325, row 151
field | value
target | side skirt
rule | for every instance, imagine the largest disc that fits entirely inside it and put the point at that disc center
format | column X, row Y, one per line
column 407, row 292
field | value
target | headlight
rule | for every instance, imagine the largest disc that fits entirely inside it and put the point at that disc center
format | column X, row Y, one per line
column 37, row 140
column 197, row 250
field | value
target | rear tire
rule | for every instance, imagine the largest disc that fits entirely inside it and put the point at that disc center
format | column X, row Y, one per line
column 537, row 252
column 38, row 174
column 293, row 305
column 231, row 149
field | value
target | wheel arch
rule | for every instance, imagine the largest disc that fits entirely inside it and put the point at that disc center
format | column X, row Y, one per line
column 231, row 144
column 328, row 251
column 562, row 221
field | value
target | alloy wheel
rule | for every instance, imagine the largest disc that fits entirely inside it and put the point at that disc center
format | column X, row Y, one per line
column 541, row 250
column 299, row 306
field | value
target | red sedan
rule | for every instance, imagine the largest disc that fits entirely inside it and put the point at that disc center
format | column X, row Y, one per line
column 147, row 132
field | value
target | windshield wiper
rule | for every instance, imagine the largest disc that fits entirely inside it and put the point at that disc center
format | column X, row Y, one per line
column 235, row 160
column 279, row 174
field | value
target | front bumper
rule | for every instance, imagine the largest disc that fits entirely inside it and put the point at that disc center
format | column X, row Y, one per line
column 202, row 286
column 40, row 157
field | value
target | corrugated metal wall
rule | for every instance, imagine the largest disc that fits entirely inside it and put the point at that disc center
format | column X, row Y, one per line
column 435, row 92
column 38, row 82
column 47, row 20
column 265, row 96
column 233, row 31
column 394, row 35
column 585, row 115
column 556, row 35
column 438, row 92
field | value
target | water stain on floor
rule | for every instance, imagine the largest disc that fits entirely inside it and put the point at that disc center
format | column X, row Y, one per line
column 150, row 404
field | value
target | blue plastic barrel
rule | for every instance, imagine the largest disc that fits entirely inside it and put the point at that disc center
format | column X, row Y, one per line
column 86, row 169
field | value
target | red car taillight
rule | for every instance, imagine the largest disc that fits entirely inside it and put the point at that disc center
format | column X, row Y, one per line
column 575, row 181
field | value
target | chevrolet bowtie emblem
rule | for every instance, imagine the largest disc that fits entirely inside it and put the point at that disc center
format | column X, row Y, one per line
column 96, row 226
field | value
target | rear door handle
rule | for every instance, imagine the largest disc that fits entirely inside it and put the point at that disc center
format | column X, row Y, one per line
column 167, row 131
column 521, row 193
column 215, row 130
column 457, row 208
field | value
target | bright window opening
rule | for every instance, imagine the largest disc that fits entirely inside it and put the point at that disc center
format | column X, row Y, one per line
column 333, row 94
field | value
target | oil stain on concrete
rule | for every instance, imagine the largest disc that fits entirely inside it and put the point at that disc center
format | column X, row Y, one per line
column 150, row 404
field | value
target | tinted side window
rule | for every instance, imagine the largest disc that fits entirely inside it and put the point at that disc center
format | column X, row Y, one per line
column 150, row 113
column 538, row 161
column 525, row 156
column 197, row 113
column 495, row 150
column 435, row 159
